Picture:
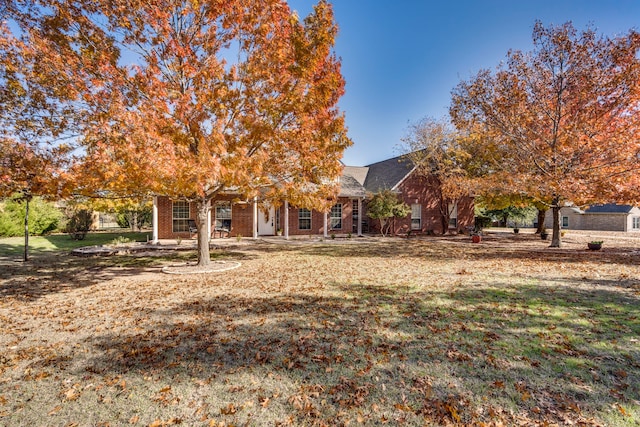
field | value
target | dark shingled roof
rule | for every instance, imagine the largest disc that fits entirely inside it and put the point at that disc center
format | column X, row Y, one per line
column 386, row 175
column 609, row 208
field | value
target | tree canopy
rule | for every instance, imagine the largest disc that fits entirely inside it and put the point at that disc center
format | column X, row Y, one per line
column 385, row 206
column 188, row 99
column 438, row 151
column 559, row 123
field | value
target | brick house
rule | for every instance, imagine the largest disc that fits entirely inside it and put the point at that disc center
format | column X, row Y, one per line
column 229, row 217
column 603, row 217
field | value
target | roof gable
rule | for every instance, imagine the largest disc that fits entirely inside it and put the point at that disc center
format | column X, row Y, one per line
column 387, row 174
column 350, row 187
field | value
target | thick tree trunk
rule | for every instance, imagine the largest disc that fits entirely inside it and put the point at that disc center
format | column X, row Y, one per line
column 555, row 237
column 202, row 209
column 542, row 213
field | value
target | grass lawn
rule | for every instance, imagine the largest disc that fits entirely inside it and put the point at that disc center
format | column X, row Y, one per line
column 433, row 331
column 57, row 242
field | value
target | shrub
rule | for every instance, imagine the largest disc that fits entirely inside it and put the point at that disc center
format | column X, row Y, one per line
column 44, row 217
column 79, row 223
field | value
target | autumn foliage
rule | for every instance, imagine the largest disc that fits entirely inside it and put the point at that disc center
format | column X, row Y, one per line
column 559, row 123
column 188, row 99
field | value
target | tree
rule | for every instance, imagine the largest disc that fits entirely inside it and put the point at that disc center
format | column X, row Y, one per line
column 33, row 127
column 386, row 206
column 436, row 150
column 559, row 123
column 44, row 217
column 189, row 99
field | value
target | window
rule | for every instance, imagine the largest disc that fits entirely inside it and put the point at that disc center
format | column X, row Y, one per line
column 180, row 216
column 453, row 215
column 416, row 217
column 355, row 216
column 223, row 216
column 304, row 219
column 336, row 216
column 636, row 222
column 565, row 222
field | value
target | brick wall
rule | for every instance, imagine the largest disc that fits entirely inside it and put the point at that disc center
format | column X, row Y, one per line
column 242, row 219
column 424, row 191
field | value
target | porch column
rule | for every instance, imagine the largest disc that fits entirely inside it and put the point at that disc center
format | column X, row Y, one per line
column 154, row 221
column 359, row 216
column 286, row 220
column 209, row 221
column 324, row 219
column 255, row 218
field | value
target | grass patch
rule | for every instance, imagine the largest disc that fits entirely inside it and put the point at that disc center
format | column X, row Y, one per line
column 10, row 246
column 431, row 332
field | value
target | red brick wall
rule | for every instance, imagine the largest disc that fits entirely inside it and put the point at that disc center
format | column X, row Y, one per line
column 242, row 219
column 317, row 220
column 424, row 191
column 414, row 190
column 165, row 219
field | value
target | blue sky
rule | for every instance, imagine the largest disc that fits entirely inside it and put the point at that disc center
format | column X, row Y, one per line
column 401, row 58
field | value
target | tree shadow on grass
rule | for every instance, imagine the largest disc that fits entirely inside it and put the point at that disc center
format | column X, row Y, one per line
column 554, row 354
column 460, row 247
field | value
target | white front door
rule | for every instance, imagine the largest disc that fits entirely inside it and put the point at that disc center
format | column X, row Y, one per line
column 267, row 221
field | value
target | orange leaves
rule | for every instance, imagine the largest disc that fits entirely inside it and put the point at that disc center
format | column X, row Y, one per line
column 559, row 120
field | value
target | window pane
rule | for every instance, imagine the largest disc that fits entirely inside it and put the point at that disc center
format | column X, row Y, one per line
column 223, row 216
column 336, row 216
column 453, row 215
column 416, row 217
column 304, row 219
column 180, row 216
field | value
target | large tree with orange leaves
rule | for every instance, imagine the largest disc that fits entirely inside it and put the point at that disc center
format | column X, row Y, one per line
column 559, row 123
column 34, row 127
column 188, row 99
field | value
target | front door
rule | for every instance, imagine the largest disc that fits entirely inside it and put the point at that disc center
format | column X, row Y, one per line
column 267, row 221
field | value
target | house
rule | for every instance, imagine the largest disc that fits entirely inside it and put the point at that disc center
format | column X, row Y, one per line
column 230, row 217
column 603, row 217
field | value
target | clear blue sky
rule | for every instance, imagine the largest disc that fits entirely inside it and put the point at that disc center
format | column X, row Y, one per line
column 402, row 58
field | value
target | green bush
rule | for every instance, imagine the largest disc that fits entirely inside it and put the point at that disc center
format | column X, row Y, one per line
column 44, row 217
column 134, row 219
column 79, row 223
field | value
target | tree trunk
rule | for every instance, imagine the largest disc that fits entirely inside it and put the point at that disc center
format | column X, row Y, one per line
column 202, row 209
column 542, row 213
column 555, row 237
column 25, row 255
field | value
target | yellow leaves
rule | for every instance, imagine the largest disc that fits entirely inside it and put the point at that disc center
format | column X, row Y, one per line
column 230, row 409
column 72, row 393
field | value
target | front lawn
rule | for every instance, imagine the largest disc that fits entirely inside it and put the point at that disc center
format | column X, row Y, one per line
column 429, row 331
column 10, row 246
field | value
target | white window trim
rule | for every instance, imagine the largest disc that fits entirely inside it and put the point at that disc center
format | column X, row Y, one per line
column 223, row 218
column 453, row 215
column 175, row 218
column 416, row 215
column 300, row 217
column 336, row 218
